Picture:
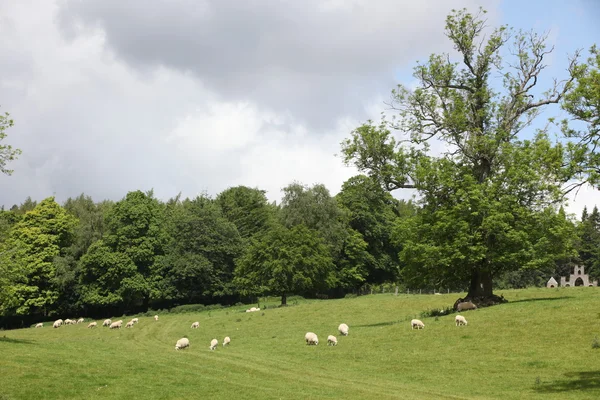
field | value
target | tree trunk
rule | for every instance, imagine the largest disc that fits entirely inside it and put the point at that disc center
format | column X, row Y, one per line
column 284, row 299
column 481, row 284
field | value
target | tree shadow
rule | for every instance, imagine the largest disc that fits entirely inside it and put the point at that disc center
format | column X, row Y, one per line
column 583, row 380
column 4, row 339
column 539, row 299
column 377, row 324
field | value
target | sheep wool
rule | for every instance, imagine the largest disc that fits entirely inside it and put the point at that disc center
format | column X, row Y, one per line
column 156, row 317
column 92, row 324
column 226, row 341
column 195, row 325
column 107, row 322
column 331, row 340
column 460, row 320
column 415, row 323
column 182, row 343
column 343, row 329
column 57, row 323
column 129, row 324
column 213, row 344
column 135, row 320
column 311, row 338
column 40, row 325
column 80, row 320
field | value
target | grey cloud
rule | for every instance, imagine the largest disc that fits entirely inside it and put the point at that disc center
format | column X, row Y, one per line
column 285, row 55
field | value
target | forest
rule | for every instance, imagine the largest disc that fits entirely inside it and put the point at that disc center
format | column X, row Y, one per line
column 489, row 215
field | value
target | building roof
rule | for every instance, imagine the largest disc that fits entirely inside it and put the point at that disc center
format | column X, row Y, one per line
column 552, row 281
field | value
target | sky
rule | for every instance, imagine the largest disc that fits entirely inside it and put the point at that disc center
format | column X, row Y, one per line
column 195, row 96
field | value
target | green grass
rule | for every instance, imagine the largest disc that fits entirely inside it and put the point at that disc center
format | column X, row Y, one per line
column 537, row 346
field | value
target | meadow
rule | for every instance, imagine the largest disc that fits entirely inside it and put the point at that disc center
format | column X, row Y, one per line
column 539, row 345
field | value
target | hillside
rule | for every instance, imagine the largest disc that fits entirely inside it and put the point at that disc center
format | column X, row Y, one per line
column 539, row 345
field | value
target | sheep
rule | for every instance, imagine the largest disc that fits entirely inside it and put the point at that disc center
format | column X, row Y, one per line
column 135, row 320
column 57, row 323
column 116, row 324
column 67, row 321
column 80, row 320
column 226, row 341
column 213, row 344
column 331, row 340
column 343, row 328
column 415, row 323
column 460, row 320
column 253, row 309
column 156, row 317
column 40, row 325
column 465, row 305
column 129, row 324
column 311, row 338
column 195, row 325
column 107, row 322
column 182, row 343
column 92, row 325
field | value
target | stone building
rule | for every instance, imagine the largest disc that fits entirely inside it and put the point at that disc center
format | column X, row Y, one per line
column 577, row 278
column 551, row 283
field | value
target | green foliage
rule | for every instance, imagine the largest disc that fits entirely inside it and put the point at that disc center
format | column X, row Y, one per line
column 7, row 153
column 583, row 104
column 248, row 209
column 284, row 261
column 485, row 196
column 40, row 236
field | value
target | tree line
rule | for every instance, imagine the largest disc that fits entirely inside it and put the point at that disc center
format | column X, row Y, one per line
column 489, row 213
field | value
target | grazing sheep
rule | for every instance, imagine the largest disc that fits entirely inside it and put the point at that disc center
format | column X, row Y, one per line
column 57, row 323
column 415, row 323
column 343, row 328
column 253, row 309
column 226, row 340
column 135, row 320
column 195, row 325
column 80, row 320
column 182, row 343
column 156, row 317
column 460, row 320
column 311, row 338
column 331, row 340
column 213, row 344
column 129, row 324
column 116, row 324
column 67, row 321
column 92, row 324
column 465, row 305
column 40, row 325
column 107, row 322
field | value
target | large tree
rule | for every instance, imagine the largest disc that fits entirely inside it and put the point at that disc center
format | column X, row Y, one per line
column 485, row 192
column 7, row 153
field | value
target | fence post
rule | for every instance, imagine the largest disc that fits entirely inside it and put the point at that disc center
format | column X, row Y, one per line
column 396, row 292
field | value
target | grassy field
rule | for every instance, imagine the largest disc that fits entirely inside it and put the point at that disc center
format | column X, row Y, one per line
column 539, row 345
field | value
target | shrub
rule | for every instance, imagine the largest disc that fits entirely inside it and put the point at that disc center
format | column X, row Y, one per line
column 437, row 312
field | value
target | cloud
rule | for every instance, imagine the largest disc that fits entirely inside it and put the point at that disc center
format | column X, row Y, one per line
column 197, row 96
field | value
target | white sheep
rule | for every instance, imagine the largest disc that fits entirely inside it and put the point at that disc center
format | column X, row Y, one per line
column 40, row 325
column 67, row 321
column 135, row 320
column 195, row 325
column 80, row 320
column 331, row 340
column 226, row 341
column 57, row 323
column 116, row 324
column 311, row 338
column 92, row 324
column 107, row 322
column 156, row 317
column 343, row 329
column 129, row 324
column 460, row 320
column 415, row 323
column 182, row 343
column 213, row 344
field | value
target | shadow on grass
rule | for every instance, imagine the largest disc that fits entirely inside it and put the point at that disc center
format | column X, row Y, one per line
column 4, row 339
column 583, row 380
column 539, row 299
column 377, row 324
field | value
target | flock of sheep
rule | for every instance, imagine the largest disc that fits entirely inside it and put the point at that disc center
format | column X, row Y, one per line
column 311, row 338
